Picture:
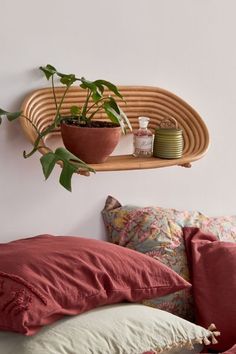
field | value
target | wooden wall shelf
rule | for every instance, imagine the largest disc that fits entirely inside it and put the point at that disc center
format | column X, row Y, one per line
column 129, row 162
column 153, row 102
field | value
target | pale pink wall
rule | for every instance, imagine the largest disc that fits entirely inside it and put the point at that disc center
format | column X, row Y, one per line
column 185, row 46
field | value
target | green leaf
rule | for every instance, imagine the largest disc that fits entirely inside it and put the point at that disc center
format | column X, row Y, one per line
column 10, row 115
column 62, row 75
column 13, row 115
column 48, row 70
column 65, row 155
column 120, row 118
column 68, row 80
column 66, row 175
column 114, row 105
column 2, row 112
column 125, row 119
column 112, row 114
column 71, row 164
column 110, row 86
column 95, row 89
column 98, row 93
column 99, row 86
column 0, row 120
column 75, row 110
column 48, row 162
column 86, row 84
column 96, row 96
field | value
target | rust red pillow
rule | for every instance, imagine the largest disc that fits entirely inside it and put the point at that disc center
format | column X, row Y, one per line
column 212, row 266
column 45, row 277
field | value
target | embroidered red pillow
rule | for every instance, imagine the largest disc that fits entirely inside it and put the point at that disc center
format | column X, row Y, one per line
column 45, row 277
column 212, row 264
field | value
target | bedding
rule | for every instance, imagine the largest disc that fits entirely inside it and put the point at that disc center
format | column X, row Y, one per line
column 212, row 264
column 157, row 232
column 45, row 277
column 112, row 329
column 232, row 350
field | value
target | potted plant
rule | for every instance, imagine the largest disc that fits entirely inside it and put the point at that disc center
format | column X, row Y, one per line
column 78, row 126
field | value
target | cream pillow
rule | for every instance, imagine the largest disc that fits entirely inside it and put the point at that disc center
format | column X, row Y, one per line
column 113, row 329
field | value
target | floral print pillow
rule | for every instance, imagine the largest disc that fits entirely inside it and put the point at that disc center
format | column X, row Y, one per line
column 157, row 232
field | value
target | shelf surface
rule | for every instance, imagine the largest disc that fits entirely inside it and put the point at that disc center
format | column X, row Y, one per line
column 129, row 162
column 152, row 102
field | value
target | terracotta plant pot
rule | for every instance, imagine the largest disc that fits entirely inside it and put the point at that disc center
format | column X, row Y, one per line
column 92, row 145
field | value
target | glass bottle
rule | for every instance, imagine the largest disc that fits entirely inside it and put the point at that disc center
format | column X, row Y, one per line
column 143, row 139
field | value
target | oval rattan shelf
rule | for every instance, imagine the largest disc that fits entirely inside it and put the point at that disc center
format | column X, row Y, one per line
column 153, row 102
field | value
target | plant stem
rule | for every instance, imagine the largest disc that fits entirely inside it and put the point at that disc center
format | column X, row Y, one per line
column 84, row 110
column 59, row 106
column 39, row 137
column 96, row 104
column 35, row 127
column 53, row 90
column 49, row 129
column 98, row 109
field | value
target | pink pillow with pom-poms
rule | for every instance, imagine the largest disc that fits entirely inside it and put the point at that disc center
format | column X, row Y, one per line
column 212, row 266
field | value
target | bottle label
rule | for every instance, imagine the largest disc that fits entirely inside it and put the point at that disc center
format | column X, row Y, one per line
column 143, row 143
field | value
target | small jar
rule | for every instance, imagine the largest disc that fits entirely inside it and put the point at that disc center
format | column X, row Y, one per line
column 143, row 139
column 168, row 140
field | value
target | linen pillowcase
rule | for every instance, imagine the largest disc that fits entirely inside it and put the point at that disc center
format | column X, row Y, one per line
column 157, row 232
column 45, row 277
column 212, row 264
column 224, row 227
column 121, row 328
column 231, row 350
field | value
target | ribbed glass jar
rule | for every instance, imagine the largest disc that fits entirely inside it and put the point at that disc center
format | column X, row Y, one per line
column 168, row 143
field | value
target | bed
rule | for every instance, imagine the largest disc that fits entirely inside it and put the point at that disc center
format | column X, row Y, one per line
column 131, row 295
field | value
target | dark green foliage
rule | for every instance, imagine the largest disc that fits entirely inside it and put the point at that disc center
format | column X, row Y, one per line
column 99, row 93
